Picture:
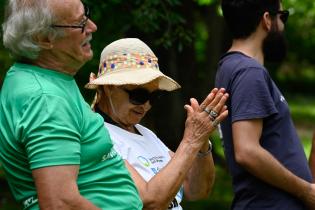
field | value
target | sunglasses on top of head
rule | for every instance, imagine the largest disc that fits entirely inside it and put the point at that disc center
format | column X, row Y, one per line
column 81, row 25
column 284, row 15
column 140, row 96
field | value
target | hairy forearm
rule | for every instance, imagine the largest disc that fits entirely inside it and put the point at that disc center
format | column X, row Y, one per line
column 263, row 165
column 163, row 187
column 200, row 178
column 198, row 126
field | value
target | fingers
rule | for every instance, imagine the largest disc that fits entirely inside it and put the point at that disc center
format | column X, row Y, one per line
column 217, row 104
column 217, row 110
column 189, row 110
column 212, row 109
column 220, row 103
column 194, row 104
column 223, row 109
column 212, row 102
column 220, row 118
column 199, row 123
column 209, row 98
column 192, row 107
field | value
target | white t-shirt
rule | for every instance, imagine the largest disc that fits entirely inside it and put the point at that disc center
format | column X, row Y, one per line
column 145, row 152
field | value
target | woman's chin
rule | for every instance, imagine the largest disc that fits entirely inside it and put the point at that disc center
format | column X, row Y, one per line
column 135, row 120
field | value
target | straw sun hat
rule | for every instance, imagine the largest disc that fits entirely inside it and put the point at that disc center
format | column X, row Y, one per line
column 130, row 62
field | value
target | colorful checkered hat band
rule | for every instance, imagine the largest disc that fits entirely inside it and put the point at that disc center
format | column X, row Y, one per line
column 130, row 62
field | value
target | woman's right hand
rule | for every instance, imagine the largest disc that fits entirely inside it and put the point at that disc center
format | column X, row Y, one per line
column 203, row 119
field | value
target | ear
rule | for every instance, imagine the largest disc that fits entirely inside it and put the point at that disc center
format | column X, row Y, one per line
column 266, row 21
column 44, row 41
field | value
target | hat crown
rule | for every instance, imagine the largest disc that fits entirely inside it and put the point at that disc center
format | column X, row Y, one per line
column 124, row 46
column 127, row 55
column 130, row 61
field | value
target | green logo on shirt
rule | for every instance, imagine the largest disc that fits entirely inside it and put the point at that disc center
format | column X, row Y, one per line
column 144, row 161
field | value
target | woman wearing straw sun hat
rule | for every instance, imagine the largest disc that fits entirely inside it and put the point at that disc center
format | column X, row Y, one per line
column 128, row 82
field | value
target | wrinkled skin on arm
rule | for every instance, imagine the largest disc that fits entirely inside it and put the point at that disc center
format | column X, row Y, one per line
column 185, row 167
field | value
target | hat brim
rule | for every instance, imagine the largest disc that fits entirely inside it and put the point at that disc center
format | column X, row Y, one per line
column 134, row 77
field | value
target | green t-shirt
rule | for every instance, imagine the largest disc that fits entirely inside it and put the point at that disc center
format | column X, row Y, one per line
column 44, row 121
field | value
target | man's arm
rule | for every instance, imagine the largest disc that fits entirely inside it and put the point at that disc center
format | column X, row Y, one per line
column 57, row 189
column 312, row 157
column 260, row 163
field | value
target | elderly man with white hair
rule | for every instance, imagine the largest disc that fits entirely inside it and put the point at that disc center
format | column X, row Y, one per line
column 55, row 151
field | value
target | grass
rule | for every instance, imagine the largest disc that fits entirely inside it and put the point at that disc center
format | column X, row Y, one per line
column 303, row 110
column 303, row 115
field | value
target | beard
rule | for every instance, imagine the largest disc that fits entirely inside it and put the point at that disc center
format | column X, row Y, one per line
column 275, row 46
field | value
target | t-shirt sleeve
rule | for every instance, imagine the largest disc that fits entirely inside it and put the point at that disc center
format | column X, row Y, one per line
column 50, row 132
column 118, row 140
column 120, row 147
column 250, row 96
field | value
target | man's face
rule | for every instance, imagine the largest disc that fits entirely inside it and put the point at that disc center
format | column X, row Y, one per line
column 274, row 45
column 74, row 48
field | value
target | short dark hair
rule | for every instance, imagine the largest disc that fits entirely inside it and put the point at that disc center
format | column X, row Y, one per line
column 243, row 16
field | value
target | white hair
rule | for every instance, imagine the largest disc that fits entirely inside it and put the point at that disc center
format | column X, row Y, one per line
column 25, row 19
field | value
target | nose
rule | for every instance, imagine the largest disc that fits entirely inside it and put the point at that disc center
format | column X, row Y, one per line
column 91, row 26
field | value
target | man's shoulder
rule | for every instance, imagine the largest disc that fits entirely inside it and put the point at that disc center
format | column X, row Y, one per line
column 24, row 83
column 235, row 61
column 19, row 84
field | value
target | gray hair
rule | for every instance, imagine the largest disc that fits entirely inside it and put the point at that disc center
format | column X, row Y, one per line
column 25, row 19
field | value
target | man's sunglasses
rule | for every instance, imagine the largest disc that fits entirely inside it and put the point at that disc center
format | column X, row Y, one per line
column 140, row 96
column 82, row 24
column 284, row 15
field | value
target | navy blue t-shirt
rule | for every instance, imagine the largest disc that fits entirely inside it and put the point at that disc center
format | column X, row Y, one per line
column 254, row 95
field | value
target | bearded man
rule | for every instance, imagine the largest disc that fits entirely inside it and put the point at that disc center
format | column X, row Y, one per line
column 263, row 151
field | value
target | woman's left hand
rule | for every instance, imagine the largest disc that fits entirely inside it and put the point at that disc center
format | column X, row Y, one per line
column 203, row 119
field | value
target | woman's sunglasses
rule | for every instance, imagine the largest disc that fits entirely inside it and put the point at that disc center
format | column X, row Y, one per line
column 140, row 96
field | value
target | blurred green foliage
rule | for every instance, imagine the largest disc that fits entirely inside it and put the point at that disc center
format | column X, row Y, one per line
column 297, row 74
column 303, row 110
column 188, row 37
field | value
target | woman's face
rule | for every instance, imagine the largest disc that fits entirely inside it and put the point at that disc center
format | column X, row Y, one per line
column 123, row 109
